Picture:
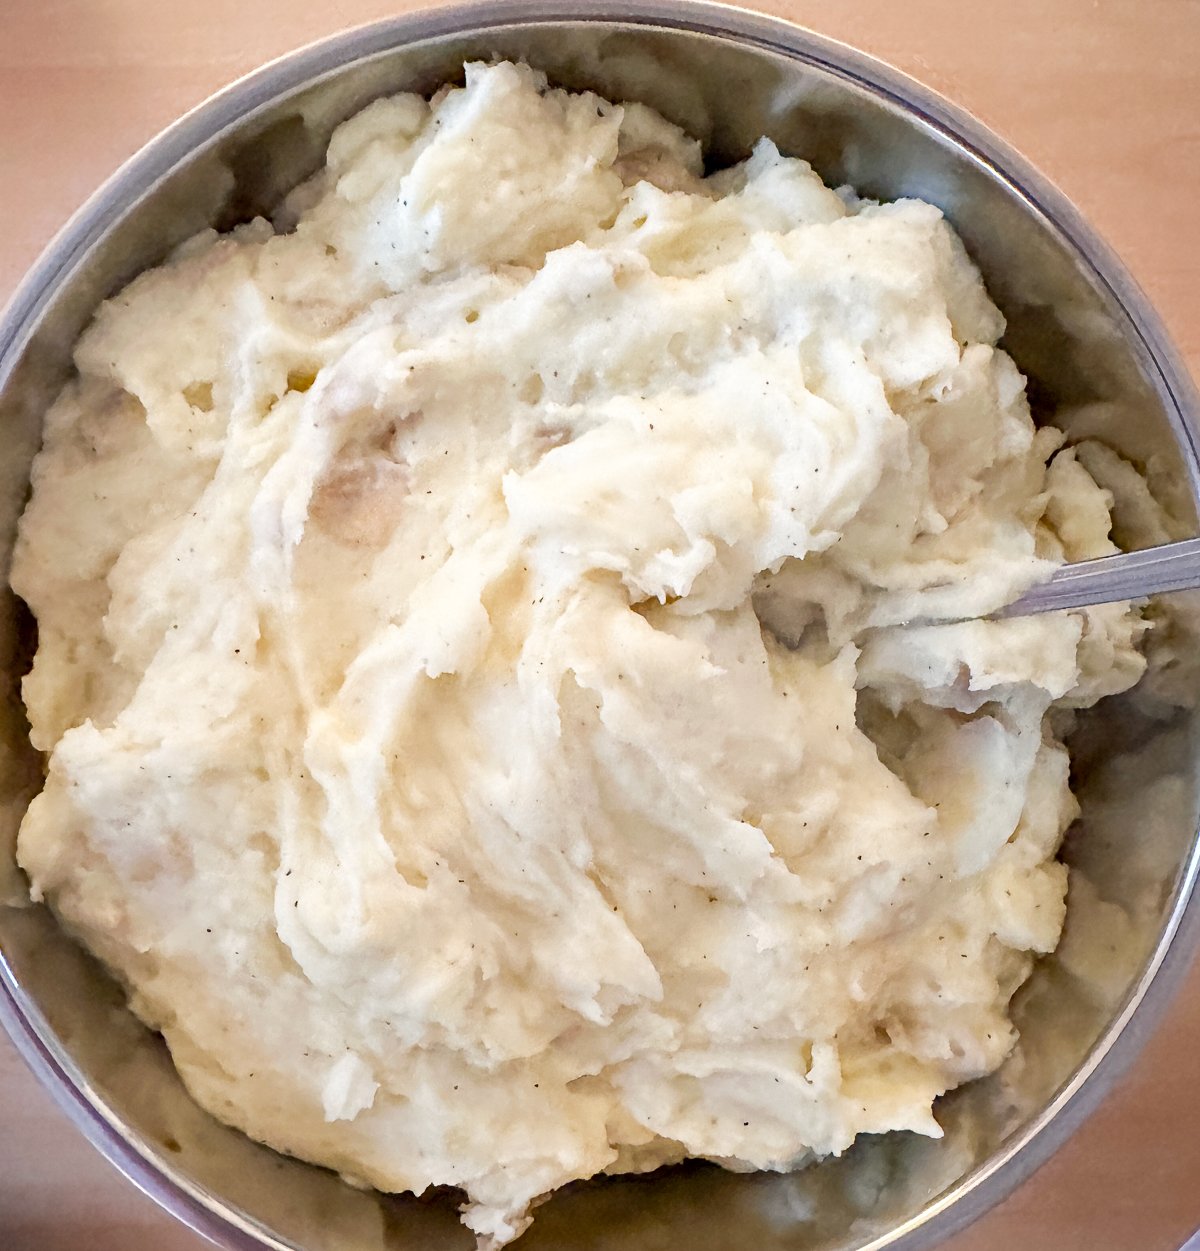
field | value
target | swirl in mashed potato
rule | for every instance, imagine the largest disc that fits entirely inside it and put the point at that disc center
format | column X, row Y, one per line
column 482, row 728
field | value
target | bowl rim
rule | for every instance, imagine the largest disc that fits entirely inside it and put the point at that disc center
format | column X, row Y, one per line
column 1111, row 1054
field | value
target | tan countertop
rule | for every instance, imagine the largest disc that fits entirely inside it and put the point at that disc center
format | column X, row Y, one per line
column 1102, row 95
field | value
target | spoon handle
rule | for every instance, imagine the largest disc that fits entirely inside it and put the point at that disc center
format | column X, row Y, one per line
column 1111, row 579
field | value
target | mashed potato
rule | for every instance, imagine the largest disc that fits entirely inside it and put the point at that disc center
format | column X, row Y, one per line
column 483, row 730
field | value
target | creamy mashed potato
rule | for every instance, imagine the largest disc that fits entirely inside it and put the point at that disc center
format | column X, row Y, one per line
column 482, row 728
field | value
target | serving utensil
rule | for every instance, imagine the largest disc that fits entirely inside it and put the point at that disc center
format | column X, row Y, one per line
column 1112, row 579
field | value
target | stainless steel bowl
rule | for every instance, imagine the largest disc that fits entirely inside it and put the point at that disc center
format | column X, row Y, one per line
column 1096, row 356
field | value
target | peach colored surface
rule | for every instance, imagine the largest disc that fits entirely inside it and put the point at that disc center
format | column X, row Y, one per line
column 1104, row 98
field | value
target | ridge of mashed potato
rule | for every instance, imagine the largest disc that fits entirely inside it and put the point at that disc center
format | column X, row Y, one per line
column 482, row 728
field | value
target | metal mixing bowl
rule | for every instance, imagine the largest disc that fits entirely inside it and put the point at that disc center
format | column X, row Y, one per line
column 1096, row 357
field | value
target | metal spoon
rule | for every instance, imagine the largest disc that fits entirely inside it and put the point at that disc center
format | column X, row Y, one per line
column 1111, row 579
